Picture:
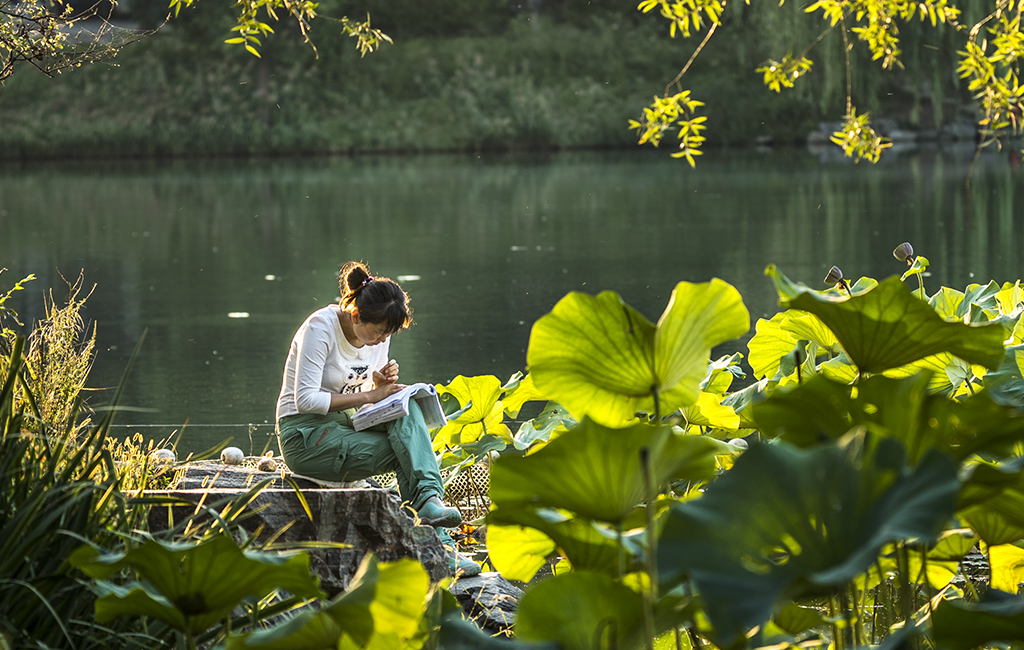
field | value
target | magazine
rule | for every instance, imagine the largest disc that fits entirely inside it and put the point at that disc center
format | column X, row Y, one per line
column 397, row 405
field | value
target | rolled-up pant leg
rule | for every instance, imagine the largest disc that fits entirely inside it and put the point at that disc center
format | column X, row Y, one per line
column 326, row 447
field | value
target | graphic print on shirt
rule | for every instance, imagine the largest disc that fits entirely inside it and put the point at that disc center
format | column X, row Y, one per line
column 357, row 376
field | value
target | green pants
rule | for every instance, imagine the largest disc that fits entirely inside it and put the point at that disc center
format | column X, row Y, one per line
column 327, row 447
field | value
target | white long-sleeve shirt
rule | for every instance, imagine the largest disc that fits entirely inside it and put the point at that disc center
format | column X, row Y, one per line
column 321, row 361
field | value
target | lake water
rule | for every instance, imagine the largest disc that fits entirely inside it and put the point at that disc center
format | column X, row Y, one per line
column 485, row 246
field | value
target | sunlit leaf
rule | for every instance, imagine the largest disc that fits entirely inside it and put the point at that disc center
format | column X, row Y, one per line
column 599, row 357
column 596, row 472
column 581, row 611
column 888, row 327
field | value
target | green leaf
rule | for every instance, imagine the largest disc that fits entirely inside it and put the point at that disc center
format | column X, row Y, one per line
column 998, row 617
column 517, row 552
column 785, row 523
column 821, row 409
column 601, row 358
column 595, row 472
column 888, row 327
column 482, row 413
column 581, row 611
column 382, row 608
column 553, row 417
column 588, row 545
column 203, row 582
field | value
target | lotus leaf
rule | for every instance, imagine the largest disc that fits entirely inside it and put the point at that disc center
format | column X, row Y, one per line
column 601, row 358
column 481, row 414
column 821, row 409
column 588, row 545
column 1008, row 380
column 595, row 471
column 708, row 411
column 192, row 586
column 786, row 523
column 998, row 616
column 888, row 327
column 550, row 419
column 381, row 610
column 1007, row 565
column 581, row 611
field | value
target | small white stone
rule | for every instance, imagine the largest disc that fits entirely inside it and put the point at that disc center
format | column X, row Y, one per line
column 232, row 456
column 163, row 456
column 739, row 442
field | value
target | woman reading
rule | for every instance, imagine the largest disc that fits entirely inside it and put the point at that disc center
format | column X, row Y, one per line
column 338, row 361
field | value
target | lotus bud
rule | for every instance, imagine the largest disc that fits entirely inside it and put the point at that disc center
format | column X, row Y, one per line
column 163, row 456
column 835, row 276
column 904, row 253
column 739, row 442
column 232, row 456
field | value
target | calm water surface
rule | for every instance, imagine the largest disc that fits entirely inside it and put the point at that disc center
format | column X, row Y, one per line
column 484, row 245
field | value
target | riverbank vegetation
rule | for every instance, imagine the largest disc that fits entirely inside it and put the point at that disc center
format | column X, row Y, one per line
column 464, row 76
column 829, row 504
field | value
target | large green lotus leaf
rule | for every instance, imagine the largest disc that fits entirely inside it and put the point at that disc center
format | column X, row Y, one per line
column 581, row 611
column 599, row 357
column 997, row 617
column 786, row 523
column 888, row 327
column 595, row 471
column 904, row 409
column 1000, row 518
column 697, row 318
column 588, row 545
column 204, row 582
column 810, row 327
column 381, row 609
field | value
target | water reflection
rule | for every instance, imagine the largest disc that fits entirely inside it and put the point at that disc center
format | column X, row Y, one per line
column 174, row 248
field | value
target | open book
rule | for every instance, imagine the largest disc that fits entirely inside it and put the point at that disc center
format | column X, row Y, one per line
column 397, row 405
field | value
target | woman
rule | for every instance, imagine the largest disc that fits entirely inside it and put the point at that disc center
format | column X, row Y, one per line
column 338, row 361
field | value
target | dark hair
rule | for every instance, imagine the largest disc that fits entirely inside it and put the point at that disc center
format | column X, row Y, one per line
column 378, row 300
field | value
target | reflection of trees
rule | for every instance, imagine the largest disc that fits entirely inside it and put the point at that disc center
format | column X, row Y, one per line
column 496, row 241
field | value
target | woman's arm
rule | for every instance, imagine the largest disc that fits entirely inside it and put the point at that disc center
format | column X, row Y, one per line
column 340, row 402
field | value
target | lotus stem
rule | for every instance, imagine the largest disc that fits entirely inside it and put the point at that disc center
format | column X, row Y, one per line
column 657, row 405
column 651, row 593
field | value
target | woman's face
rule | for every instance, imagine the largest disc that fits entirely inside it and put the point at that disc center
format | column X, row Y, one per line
column 369, row 333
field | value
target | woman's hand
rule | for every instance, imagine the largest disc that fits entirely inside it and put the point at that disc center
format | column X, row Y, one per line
column 386, row 376
column 380, row 392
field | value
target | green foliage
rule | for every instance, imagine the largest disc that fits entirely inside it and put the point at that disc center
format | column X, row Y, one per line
column 620, row 363
column 190, row 586
column 55, row 493
column 677, row 111
column 746, row 544
column 858, row 139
